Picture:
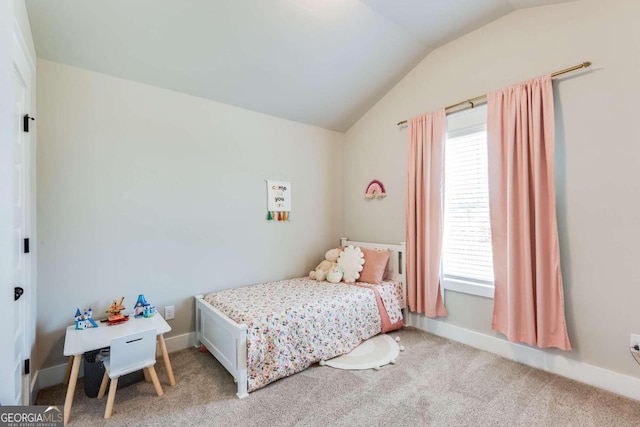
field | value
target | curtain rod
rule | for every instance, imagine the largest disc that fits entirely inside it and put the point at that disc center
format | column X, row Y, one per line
column 473, row 101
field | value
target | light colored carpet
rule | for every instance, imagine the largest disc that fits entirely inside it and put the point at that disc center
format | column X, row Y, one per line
column 436, row 382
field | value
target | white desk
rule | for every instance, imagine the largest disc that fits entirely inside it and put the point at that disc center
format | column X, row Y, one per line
column 77, row 342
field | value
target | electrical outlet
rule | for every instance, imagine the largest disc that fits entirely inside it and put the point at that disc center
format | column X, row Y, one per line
column 635, row 340
column 170, row 312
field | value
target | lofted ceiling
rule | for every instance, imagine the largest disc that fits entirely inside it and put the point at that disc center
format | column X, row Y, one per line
column 320, row 62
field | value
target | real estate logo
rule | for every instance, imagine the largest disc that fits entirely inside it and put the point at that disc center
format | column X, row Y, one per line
column 31, row 416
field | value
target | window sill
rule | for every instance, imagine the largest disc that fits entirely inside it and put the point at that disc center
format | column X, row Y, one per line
column 466, row 287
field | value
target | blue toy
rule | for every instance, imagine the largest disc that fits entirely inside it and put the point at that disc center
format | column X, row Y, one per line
column 149, row 310
column 84, row 321
column 138, row 309
column 143, row 308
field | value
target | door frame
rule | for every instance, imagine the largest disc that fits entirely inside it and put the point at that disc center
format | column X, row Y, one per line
column 24, row 63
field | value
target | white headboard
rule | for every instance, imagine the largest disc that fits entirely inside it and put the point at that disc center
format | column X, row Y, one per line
column 397, row 264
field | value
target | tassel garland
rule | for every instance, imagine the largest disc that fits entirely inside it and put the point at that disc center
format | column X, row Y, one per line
column 278, row 216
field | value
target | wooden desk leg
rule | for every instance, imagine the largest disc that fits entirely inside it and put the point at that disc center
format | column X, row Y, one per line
column 71, row 388
column 167, row 362
column 67, row 374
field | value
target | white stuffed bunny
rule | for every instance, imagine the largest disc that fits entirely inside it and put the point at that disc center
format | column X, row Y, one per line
column 320, row 272
column 335, row 275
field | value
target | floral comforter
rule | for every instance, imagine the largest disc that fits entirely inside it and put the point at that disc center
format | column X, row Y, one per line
column 295, row 323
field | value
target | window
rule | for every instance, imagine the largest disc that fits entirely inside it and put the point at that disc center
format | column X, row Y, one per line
column 467, row 264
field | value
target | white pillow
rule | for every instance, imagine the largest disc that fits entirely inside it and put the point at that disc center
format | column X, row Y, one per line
column 351, row 261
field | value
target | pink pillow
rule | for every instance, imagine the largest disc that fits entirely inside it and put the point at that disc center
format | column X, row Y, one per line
column 375, row 264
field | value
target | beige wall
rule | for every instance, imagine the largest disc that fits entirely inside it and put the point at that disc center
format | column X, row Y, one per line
column 144, row 190
column 597, row 157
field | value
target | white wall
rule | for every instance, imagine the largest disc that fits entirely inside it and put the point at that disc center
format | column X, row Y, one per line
column 144, row 190
column 597, row 157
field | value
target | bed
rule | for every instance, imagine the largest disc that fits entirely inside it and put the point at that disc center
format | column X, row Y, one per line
column 265, row 332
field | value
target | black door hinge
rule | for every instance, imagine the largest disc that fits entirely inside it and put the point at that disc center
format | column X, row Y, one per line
column 25, row 122
column 26, row 246
column 27, row 368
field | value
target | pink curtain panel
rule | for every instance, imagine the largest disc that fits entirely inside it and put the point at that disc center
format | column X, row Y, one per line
column 529, row 303
column 425, row 183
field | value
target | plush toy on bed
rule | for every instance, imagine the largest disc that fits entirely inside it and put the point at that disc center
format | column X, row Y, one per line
column 335, row 274
column 351, row 261
column 320, row 272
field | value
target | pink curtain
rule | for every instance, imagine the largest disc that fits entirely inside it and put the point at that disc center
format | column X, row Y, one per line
column 425, row 182
column 529, row 303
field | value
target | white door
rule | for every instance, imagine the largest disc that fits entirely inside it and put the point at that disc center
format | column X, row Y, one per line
column 21, row 339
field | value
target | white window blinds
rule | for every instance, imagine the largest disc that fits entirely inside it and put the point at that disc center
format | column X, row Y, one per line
column 466, row 253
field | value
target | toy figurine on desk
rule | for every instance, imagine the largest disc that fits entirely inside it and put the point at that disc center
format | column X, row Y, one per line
column 149, row 310
column 143, row 308
column 114, row 310
column 138, row 309
column 84, row 321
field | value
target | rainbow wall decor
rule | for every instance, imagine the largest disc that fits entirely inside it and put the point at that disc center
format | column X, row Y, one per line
column 375, row 190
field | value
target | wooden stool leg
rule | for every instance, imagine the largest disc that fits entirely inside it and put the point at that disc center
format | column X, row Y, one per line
column 71, row 388
column 103, row 385
column 167, row 362
column 147, row 378
column 154, row 379
column 67, row 374
column 112, row 397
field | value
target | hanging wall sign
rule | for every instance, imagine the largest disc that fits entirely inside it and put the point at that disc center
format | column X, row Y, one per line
column 375, row 190
column 278, row 200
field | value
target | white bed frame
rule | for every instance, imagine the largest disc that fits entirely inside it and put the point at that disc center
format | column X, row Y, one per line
column 227, row 340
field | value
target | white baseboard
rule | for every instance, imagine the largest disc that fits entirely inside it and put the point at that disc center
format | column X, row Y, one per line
column 55, row 374
column 180, row 342
column 614, row 382
column 33, row 388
